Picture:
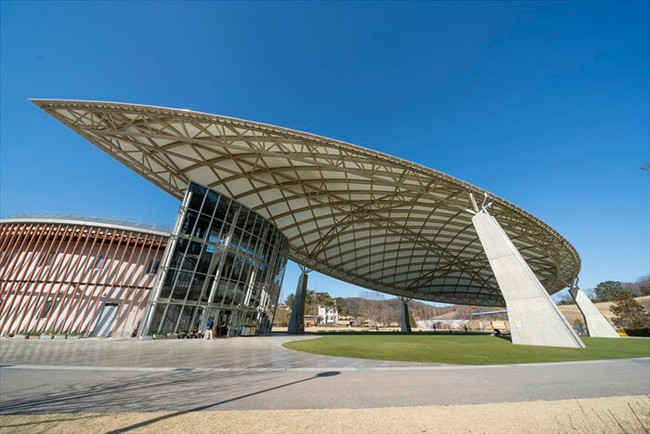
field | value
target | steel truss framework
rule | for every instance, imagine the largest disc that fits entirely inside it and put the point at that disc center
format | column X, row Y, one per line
column 352, row 213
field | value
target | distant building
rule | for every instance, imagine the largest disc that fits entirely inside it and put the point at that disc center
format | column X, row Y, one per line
column 311, row 320
column 328, row 315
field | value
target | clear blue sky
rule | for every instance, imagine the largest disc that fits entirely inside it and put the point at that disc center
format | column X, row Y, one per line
column 544, row 104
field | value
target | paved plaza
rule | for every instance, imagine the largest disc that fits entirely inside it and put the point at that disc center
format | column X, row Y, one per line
column 105, row 375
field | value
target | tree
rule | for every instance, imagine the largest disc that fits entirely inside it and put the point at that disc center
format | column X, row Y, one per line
column 639, row 288
column 643, row 285
column 370, row 306
column 564, row 297
column 629, row 312
column 412, row 322
column 313, row 299
column 289, row 300
column 578, row 325
column 324, row 299
column 281, row 318
column 605, row 291
column 342, row 306
column 311, row 302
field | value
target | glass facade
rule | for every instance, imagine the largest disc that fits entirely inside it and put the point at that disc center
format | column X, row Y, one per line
column 225, row 262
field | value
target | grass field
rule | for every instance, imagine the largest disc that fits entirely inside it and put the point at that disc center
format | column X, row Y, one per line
column 464, row 349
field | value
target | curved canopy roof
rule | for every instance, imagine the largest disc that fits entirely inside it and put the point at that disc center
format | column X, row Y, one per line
column 349, row 212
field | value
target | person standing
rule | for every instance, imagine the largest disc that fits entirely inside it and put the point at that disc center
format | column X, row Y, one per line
column 208, row 328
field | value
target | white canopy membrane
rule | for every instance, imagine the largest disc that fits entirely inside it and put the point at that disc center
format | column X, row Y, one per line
column 349, row 212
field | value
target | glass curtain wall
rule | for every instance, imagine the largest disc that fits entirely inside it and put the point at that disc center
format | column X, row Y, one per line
column 225, row 262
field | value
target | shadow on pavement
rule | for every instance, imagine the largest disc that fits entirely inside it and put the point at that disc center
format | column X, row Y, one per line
column 143, row 393
column 214, row 404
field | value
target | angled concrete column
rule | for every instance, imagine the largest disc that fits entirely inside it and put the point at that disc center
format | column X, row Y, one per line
column 297, row 320
column 597, row 324
column 534, row 318
column 406, row 325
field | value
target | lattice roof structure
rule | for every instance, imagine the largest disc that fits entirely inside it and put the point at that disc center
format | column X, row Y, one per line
column 358, row 215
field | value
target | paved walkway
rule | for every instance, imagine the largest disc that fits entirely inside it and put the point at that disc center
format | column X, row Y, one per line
column 242, row 353
column 95, row 375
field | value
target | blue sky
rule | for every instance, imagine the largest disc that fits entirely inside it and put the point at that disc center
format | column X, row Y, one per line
column 543, row 104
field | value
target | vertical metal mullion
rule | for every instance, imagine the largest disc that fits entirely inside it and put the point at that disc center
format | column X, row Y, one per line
column 191, row 282
column 233, row 225
column 224, row 253
column 214, row 263
column 169, row 253
column 196, row 266
column 190, row 238
column 219, row 269
column 173, row 286
column 274, row 257
column 257, row 254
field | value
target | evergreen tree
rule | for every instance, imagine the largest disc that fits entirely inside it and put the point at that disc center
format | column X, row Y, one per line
column 606, row 291
column 629, row 312
column 289, row 300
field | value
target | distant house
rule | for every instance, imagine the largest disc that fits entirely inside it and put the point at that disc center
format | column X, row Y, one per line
column 328, row 315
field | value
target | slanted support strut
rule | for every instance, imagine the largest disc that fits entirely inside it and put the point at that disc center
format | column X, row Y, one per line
column 597, row 325
column 534, row 318
column 297, row 320
column 406, row 325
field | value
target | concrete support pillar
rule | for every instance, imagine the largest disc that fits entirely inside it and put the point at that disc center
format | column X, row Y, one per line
column 406, row 325
column 534, row 318
column 597, row 325
column 297, row 320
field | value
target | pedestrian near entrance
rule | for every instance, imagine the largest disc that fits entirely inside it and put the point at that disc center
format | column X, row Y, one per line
column 208, row 328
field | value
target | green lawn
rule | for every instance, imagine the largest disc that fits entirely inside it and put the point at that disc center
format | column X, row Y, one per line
column 464, row 349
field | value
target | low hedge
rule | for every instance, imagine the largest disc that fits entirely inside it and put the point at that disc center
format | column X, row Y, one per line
column 638, row 332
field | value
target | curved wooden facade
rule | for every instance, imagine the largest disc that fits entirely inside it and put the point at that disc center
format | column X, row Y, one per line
column 66, row 275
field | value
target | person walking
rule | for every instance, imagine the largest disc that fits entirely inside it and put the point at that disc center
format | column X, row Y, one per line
column 208, row 328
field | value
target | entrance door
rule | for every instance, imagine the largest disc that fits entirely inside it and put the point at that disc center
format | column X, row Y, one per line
column 106, row 320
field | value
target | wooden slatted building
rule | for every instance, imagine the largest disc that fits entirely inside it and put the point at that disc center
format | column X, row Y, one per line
column 77, row 274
